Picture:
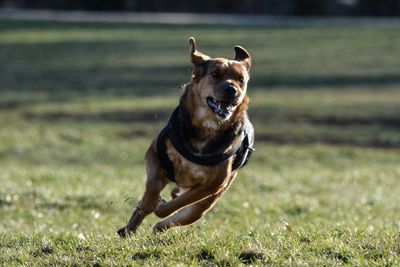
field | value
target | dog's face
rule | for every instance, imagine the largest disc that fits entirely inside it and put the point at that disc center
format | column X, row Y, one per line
column 220, row 83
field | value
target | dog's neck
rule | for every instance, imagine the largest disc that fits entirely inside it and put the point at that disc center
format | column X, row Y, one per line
column 205, row 131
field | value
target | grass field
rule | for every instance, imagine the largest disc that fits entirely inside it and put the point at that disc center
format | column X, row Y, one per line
column 80, row 102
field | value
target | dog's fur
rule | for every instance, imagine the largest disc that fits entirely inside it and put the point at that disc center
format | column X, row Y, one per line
column 198, row 187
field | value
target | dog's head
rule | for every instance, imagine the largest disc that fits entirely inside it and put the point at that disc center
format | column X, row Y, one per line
column 220, row 83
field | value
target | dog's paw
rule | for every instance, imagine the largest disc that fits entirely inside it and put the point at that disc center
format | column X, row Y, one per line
column 159, row 228
column 122, row 232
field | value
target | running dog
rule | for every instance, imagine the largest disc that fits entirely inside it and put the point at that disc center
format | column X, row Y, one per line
column 207, row 139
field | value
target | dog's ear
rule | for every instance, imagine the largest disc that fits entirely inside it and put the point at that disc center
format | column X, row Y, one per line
column 242, row 56
column 197, row 57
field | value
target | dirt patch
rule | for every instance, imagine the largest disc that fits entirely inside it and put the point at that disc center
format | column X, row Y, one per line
column 249, row 257
column 205, row 254
column 44, row 250
column 343, row 256
column 135, row 133
column 144, row 255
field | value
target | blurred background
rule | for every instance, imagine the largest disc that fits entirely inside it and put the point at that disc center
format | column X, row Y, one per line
column 270, row 7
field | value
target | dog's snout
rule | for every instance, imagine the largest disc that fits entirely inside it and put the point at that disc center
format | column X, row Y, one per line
column 230, row 90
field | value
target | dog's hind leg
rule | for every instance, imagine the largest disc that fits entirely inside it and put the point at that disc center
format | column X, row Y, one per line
column 191, row 196
column 156, row 181
column 188, row 214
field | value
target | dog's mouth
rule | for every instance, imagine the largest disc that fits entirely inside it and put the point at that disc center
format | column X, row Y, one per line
column 222, row 108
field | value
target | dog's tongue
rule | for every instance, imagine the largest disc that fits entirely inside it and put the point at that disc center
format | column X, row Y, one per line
column 224, row 105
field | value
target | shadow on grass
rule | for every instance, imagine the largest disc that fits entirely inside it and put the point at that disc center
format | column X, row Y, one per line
column 162, row 115
column 269, row 114
column 73, row 84
column 39, row 200
column 69, row 70
column 121, row 67
column 285, row 140
column 121, row 116
column 258, row 114
column 343, row 81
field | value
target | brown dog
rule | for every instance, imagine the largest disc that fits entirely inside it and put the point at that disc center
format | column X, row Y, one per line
column 207, row 139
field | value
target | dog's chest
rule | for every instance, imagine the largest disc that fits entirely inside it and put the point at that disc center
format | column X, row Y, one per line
column 187, row 173
column 202, row 115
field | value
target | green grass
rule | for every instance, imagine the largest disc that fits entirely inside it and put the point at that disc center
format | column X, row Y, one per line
column 80, row 103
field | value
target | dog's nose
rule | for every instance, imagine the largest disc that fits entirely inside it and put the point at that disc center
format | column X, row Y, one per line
column 230, row 90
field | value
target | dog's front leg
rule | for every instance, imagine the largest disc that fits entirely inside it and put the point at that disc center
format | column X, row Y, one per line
column 156, row 181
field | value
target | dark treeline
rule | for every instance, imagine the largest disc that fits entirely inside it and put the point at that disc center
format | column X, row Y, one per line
column 271, row 7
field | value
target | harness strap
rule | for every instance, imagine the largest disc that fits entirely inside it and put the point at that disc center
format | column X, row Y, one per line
column 165, row 162
column 207, row 160
column 242, row 150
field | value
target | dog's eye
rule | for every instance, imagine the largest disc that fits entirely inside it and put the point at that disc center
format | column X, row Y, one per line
column 215, row 74
column 241, row 79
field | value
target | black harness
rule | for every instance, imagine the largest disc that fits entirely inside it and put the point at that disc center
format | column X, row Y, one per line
column 179, row 127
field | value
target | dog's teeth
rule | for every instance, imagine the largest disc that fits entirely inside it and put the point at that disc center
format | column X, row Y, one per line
column 219, row 108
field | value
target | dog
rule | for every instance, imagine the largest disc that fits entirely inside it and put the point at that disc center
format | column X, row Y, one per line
column 207, row 139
